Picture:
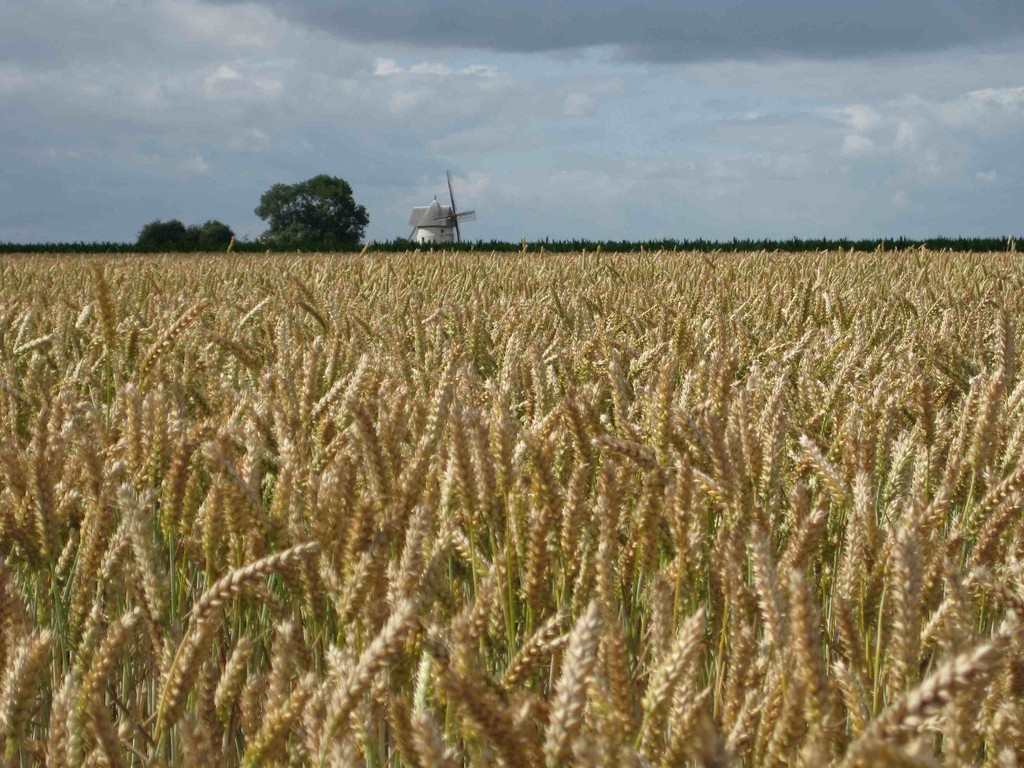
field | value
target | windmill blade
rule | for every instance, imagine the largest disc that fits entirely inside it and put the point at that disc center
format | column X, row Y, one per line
column 458, row 234
column 451, row 195
column 453, row 217
column 412, row 234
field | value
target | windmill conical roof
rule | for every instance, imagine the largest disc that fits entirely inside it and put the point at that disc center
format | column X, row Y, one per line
column 432, row 215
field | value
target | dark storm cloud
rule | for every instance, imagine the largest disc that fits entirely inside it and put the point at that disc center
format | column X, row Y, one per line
column 671, row 30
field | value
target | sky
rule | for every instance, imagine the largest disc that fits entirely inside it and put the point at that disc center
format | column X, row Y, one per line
column 597, row 119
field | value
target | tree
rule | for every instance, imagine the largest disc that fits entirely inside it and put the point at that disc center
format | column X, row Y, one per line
column 214, row 236
column 174, row 236
column 316, row 213
column 164, row 235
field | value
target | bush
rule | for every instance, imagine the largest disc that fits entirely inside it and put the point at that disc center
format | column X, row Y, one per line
column 164, row 236
column 214, row 236
column 174, row 236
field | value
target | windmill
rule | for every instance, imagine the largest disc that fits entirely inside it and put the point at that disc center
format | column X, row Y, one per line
column 437, row 223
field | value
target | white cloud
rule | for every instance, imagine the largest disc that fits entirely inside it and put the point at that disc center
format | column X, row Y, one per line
column 223, row 74
column 193, row 166
column 406, row 101
column 906, row 134
column 983, row 107
column 1005, row 98
column 227, row 83
column 245, row 26
column 80, row 154
column 391, row 68
column 250, row 140
column 860, row 117
column 148, row 96
column 989, row 177
column 579, row 105
column 72, row 153
column 480, row 70
column 855, row 145
column 931, row 141
column 470, row 189
column 158, row 163
column 387, row 68
column 433, row 68
column 11, row 80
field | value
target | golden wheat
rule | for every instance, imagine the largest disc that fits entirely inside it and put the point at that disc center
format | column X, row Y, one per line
column 437, row 509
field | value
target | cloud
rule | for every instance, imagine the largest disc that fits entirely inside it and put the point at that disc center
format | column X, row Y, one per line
column 670, row 30
column 579, row 105
column 250, row 140
column 387, row 68
column 391, row 68
column 12, row 80
column 238, row 26
column 193, row 166
column 430, row 68
column 55, row 33
column 906, row 135
column 859, row 117
column 119, row 113
column 855, row 145
column 407, row 101
column 926, row 142
column 227, row 83
column 985, row 105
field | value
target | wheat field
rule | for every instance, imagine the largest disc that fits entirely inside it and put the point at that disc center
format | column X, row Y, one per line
column 646, row 509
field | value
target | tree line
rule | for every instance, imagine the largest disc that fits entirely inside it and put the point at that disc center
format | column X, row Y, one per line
column 794, row 245
column 316, row 214
column 321, row 214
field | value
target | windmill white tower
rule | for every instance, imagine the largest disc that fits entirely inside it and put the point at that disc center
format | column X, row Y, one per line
column 437, row 223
